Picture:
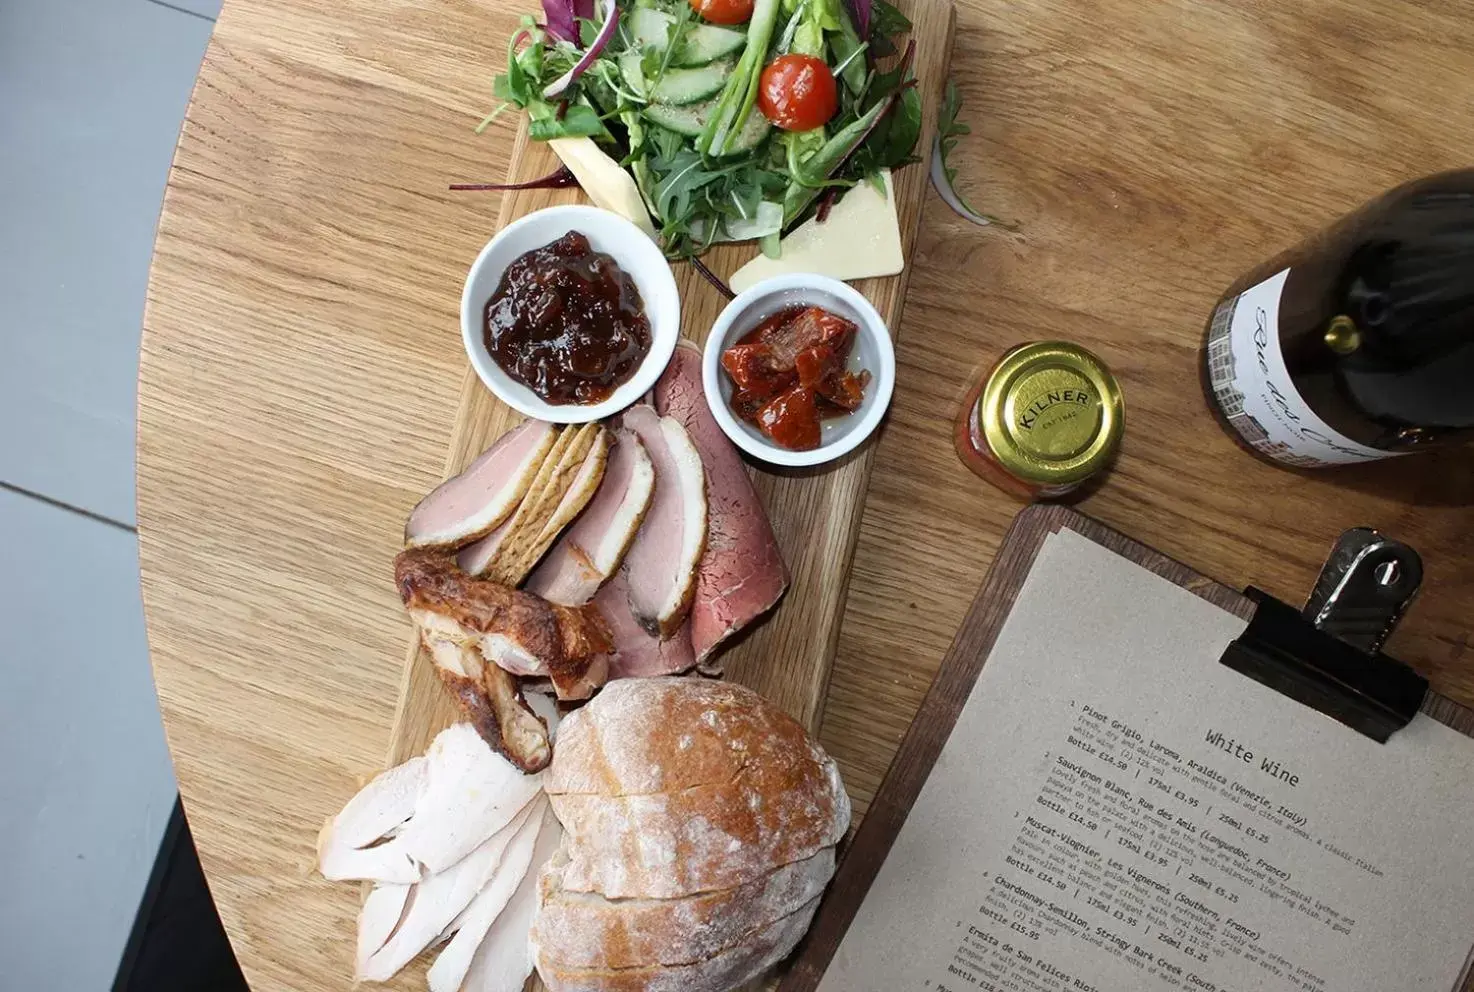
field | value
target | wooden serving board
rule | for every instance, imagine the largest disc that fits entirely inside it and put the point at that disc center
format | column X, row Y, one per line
column 815, row 512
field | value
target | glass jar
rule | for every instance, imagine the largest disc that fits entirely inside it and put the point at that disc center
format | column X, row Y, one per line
column 1043, row 420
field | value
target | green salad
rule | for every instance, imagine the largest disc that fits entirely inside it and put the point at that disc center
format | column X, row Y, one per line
column 735, row 119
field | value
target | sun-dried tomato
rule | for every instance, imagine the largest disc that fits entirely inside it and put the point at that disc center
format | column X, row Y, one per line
column 791, row 420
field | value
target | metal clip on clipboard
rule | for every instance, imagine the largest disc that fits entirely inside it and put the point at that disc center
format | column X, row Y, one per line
column 1328, row 655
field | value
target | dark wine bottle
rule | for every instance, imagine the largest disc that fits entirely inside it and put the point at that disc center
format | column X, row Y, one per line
column 1359, row 343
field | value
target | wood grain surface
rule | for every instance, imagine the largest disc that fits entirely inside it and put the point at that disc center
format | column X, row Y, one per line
column 302, row 367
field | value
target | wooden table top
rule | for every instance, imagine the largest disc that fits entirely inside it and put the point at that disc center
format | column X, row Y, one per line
column 301, row 363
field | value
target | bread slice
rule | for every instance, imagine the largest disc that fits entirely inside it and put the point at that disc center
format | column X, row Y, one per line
column 720, row 973
column 585, row 930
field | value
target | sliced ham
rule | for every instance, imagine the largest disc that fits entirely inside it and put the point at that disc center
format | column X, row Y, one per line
column 520, row 861
column 741, row 574
column 437, row 900
column 504, row 959
column 520, row 553
column 474, row 558
column 479, row 557
column 661, row 564
column 522, row 633
column 348, row 846
column 470, row 505
column 638, row 654
column 593, row 548
column 471, row 792
column 507, row 555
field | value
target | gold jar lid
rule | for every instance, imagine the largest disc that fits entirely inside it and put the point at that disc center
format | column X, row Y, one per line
column 1052, row 413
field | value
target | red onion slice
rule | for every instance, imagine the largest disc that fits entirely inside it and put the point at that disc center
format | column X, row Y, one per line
column 606, row 33
column 560, row 178
column 950, row 195
column 561, row 16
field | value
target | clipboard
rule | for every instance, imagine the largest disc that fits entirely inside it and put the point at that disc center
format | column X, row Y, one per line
column 1401, row 694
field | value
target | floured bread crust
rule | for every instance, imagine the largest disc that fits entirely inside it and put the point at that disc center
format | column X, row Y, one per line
column 721, row 973
column 705, row 839
column 586, row 930
column 649, row 736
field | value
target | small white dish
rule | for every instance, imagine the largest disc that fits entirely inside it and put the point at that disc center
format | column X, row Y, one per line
column 607, row 232
column 872, row 351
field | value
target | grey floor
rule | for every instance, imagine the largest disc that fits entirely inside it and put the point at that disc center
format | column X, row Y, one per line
column 92, row 93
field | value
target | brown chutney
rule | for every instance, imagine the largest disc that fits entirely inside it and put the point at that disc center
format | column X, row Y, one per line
column 567, row 322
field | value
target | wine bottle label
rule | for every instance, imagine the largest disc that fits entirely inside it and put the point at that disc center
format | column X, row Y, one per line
column 1247, row 372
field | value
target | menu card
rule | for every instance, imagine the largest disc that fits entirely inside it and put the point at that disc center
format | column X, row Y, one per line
column 1115, row 811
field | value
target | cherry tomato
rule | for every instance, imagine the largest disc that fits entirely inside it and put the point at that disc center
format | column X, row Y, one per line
column 723, row 11
column 797, row 92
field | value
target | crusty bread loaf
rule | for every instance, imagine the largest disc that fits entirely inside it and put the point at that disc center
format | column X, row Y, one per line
column 673, row 786
column 720, row 973
column 700, row 823
column 586, row 930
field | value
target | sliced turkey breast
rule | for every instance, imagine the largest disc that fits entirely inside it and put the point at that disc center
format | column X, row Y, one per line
column 535, row 843
column 348, row 845
column 467, row 506
column 439, row 898
column 384, row 862
column 661, row 564
column 521, row 632
column 471, row 792
column 741, row 574
column 504, row 959
column 381, row 914
column 638, row 653
column 593, row 548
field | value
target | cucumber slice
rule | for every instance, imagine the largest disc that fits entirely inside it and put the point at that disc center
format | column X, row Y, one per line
column 677, row 87
column 754, row 130
column 683, row 120
column 650, row 28
column 682, row 86
column 703, row 43
column 631, row 72
column 690, row 120
column 640, row 167
column 706, row 43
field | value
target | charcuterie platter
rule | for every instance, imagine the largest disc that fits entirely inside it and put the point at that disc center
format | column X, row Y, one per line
column 814, row 513
column 627, row 592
